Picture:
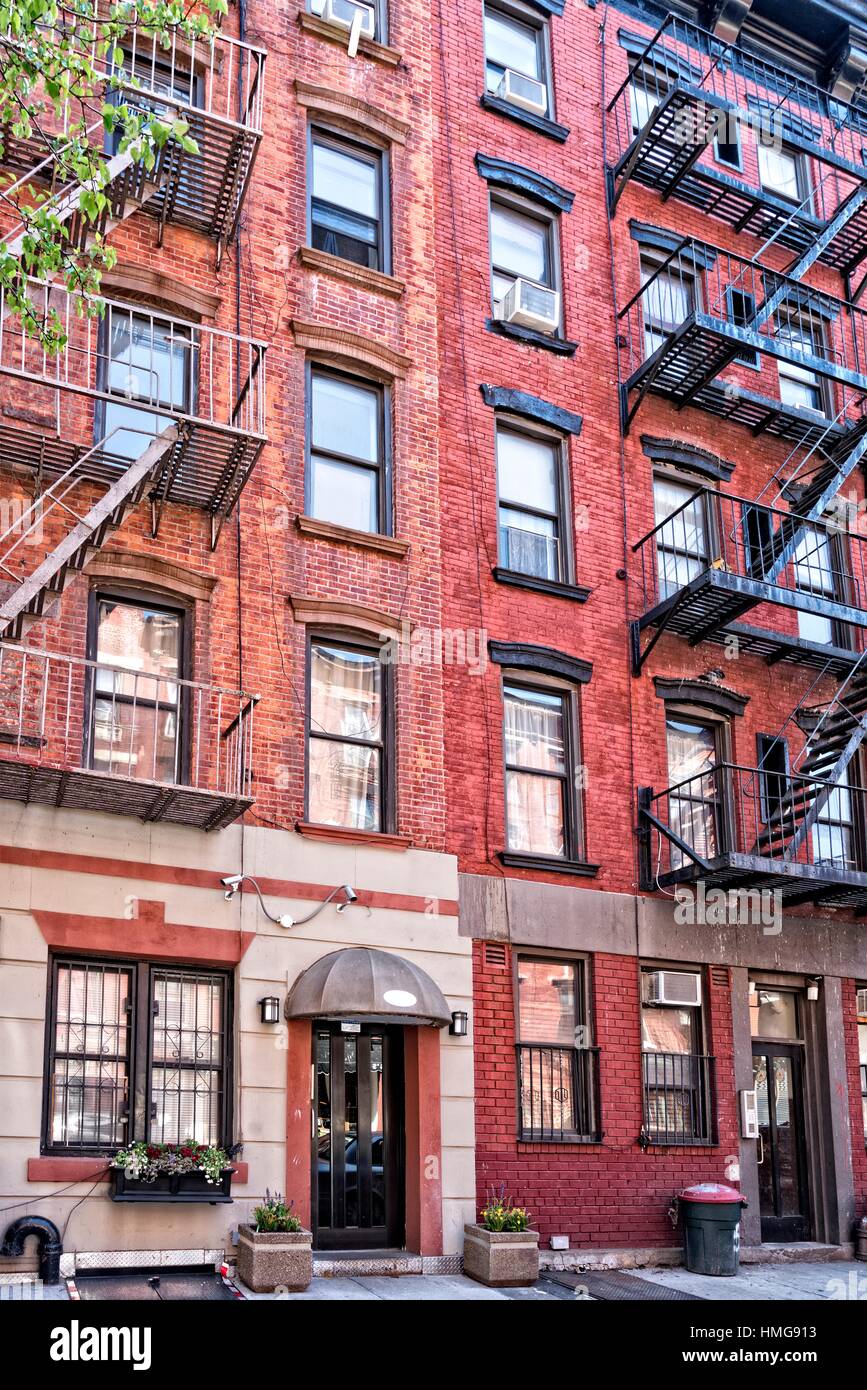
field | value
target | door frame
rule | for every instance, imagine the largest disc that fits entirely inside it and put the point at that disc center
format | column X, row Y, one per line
column 392, row 1235
column 776, row 1228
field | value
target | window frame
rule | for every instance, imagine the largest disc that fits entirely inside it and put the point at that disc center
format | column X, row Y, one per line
column 574, row 811
column 581, row 962
column 370, row 152
column 653, row 264
column 336, row 637
column 140, row 598
column 139, row 1076
column 800, row 320
column 747, row 357
column 104, row 360
column 709, row 515
column 802, row 178
column 511, row 424
column 861, row 1022
column 383, row 466
column 720, row 726
column 380, row 11
column 511, row 11
column 548, row 219
column 699, row 1041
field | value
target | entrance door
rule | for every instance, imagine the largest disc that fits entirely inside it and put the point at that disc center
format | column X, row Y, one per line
column 783, row 1203
column 358, row 1142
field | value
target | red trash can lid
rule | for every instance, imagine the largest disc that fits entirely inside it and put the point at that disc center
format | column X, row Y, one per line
column 712, row 1192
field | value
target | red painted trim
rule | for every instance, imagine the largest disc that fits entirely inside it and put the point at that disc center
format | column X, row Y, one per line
column 58, row 1168
column 151, row 936
column 299, row 1057
column 422, row 1124
column 59, row 862
column 338, row 834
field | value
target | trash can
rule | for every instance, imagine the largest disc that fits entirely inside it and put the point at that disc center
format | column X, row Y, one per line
column 711, row 1215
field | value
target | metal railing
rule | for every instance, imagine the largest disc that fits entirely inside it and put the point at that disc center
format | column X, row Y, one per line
column 734, row 809
column 697, row 282
column 140, row 360
column 75, row 713
column 772, row 103
column 679, row 1094
column 559, row 1093
column 819, row 560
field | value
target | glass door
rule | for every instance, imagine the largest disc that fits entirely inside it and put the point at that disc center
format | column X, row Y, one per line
column 783, row 1200
column 358, row 1138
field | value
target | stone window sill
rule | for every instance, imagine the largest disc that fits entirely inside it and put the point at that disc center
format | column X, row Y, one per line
column 345, row 535
column 562, row 346
column 579, row 868
column 342, row 269
column 345, row 835
column 543, row 124
column 554, row 587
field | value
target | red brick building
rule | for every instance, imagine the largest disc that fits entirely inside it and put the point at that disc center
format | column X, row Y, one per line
column 627, row 447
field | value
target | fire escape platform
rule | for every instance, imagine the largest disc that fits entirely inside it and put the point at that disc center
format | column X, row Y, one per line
column 207, row 191
column 83, row 789
column 818, row 884
column 776, row 648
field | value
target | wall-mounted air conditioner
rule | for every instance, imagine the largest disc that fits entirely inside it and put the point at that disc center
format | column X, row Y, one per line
column 344, row 13
column 672, row 987
column 862, row 1002
column 523, row 91
column 532, row 306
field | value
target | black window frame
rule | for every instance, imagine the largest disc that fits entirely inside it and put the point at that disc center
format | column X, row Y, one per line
column 802, row 176
column 774, row 764
column 807, row 325
column 656, row 267
column 741, row 306
column 140, row 1104
column 508, row 424
column 705, row 1106
column 364, row 152
column 138, row 598
column 583, row 1064
column 549, row 220
column 387, row 743
column 180, row 330
column 382, row 468
column 523, row 17
column 574, row 811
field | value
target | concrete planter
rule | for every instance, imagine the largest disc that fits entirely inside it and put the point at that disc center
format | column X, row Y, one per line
column 501, row 1259
column 270, row 1260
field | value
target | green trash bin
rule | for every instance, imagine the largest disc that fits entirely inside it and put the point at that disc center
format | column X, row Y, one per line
column 711, row 1216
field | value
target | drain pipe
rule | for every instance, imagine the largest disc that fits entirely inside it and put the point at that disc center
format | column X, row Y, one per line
column 50, row 1244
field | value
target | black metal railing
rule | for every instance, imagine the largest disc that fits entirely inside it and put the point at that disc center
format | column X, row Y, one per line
column 818, row 563
column 679, row 1095
column 559, row 1095
column 722, row 90
column 750, row 811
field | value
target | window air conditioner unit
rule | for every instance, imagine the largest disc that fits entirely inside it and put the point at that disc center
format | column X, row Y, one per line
column 532, row 306
column 524, row 91
column 862, row 1002
column 672, row 987
column 343, row 13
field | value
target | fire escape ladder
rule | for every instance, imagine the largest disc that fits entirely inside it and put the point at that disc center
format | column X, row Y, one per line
column 27, row 603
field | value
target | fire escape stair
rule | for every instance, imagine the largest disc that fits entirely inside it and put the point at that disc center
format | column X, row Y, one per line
column 28, row 602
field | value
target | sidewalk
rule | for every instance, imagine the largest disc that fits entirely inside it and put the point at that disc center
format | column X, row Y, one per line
column 812, row 1281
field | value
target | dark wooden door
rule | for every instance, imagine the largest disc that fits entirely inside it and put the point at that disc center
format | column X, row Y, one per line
column 358, row 1146
column 783, row 1197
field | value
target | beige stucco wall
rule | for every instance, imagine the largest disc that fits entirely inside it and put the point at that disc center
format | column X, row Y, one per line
column 270, row 965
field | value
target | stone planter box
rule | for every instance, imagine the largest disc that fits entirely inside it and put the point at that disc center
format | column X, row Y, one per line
column 174, row 1187
column 501, row 1259
column 270, row 1260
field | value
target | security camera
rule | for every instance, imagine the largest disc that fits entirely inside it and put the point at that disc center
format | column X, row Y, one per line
column 350, row 896
column 231, row 885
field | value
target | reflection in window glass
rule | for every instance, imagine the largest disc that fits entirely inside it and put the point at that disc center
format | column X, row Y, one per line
column 519, row 249
column 345, row 747
column 535, row 771
column 136, row 708
column 345, row 452
column 528, row 489
column 510, row 44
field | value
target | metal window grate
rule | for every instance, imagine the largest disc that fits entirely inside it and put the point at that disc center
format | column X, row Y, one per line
column 90, row 1054
column 188, row 1049
column 559, row 1095
column 679, row 1098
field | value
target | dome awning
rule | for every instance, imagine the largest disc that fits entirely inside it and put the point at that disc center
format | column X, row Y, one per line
column 370, row 986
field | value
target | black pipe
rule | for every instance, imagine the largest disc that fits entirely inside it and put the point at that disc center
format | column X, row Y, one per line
column 50, row 1244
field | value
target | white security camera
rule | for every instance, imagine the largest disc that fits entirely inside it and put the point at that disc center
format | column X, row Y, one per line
column 231, row 885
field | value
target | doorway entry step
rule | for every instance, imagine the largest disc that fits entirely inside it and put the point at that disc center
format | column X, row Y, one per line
column 792, row 1251
column 353, row 1264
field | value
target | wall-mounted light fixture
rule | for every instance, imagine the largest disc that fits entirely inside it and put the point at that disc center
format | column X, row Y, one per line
column 233, row 882
column 812, row 991
column 460, row 1024
column 269, row 1009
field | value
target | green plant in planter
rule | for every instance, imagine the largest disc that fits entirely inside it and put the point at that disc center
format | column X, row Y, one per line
column 501, row 1214
column 274, row 1215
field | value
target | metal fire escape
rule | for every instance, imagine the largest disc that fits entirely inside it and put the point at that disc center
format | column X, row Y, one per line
column 699, row 312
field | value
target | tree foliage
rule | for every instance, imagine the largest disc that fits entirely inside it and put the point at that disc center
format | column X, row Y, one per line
column 68, row 92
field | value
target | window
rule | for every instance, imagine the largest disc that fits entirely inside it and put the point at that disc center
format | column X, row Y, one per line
column 862, row 1050
column 678, row 1077
column 378, row 7
column 727, row 144
column 530, row 491
column 347, row 201
column 694, row 813
column 522, row 245
column 542, row 805
column 347, row 475
column 742, row 310
column 800, row 386
column 347, row 746
column 669, row 297
column 773, row 755
column 816, row 572
column 136, row 1051
column 556, row 1065
column 135, row 699
column 682, row 542
column 517, row 43
column 647, row 89
column 833, row 834
column 784, row 172
column 147, row 360
column 758, row 535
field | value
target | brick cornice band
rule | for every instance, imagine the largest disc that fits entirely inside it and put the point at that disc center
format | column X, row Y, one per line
column 532, row 408
column 505, row 175
column 523, row 656
column 357, row 617
column 372, row 120
column 337, row 343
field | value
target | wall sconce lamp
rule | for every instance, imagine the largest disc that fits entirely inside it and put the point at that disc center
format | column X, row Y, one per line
column 460, row 1024
column 234, row 881
column 812, row 991
column 269, row 1009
